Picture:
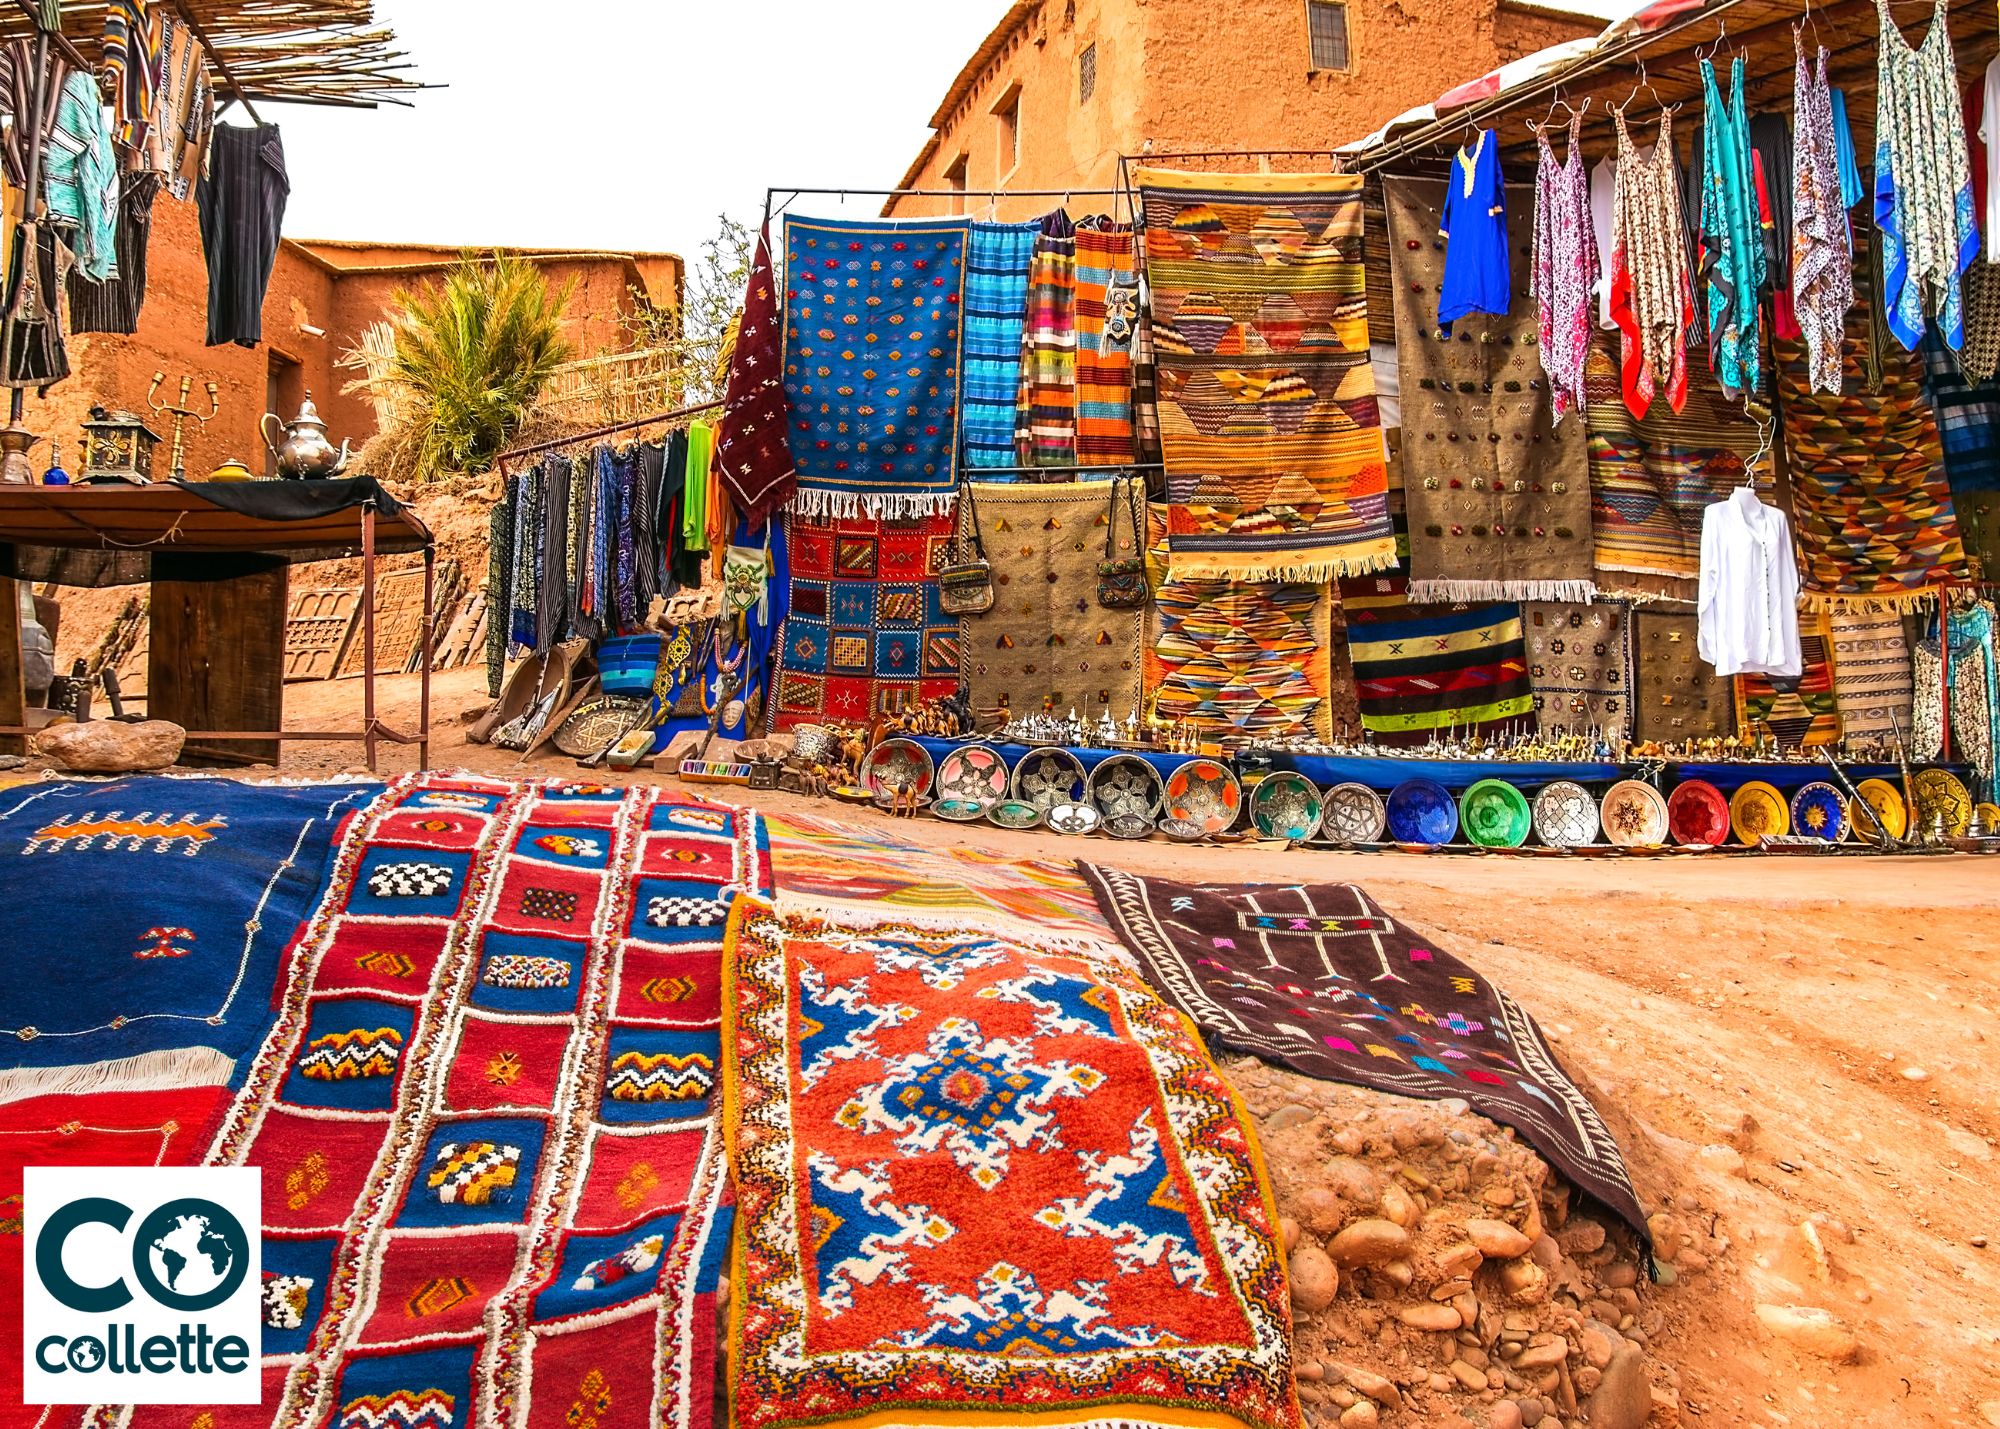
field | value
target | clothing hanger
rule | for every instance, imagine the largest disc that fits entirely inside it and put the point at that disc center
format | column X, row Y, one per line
column 1647, row 85
column 1766, row 429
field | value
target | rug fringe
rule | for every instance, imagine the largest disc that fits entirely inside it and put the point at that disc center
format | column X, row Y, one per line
column 167, row 1070
column 1279, row 568
column 1452, row 592
column 1889, row 603
column 819, row 503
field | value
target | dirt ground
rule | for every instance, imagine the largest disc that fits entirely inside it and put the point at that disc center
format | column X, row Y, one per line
column 1778, row 1041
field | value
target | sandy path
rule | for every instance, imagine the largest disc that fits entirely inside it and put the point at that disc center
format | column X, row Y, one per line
column 1825, row 1027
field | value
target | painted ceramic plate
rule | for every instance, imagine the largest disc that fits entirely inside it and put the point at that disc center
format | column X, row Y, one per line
column 1819, row 812
column 1126, row 784
column 1422, row 811
column 852, row 794
column 1891, row 813
column 1072, row 818
column 960, row 811
column 1205, row 794
column 1352, row 814
column 1495, row 814
column 1128, row 826
column 1182, row 830
column 1566, row 815
column 1048, row 776
column 1697, row 813
column 896, row 766
column 1634, row 815
column 1944, row 807
column 1757, row 810
column 1013, row 814
column 972, row 771
column 1286, row 805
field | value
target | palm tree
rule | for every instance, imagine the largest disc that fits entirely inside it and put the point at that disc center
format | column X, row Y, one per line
column 471, row 356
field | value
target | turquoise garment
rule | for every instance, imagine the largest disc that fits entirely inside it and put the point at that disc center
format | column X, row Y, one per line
column 1734, row 264
column 1852, row 191
column 81, row 178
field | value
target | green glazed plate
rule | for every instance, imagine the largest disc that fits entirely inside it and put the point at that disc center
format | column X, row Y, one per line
column 1495, row 814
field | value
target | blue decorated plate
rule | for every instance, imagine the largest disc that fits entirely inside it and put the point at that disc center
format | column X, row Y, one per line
column 1818, row 811
column 1422, row 811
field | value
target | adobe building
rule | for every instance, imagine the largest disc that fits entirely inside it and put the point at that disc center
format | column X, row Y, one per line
column 323, row 296
column 1061, row 88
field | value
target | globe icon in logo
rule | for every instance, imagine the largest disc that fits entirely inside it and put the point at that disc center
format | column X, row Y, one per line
column 192, row 1258
column 85, row 1354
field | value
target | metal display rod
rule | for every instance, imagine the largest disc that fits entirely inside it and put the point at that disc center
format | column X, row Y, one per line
column 772, row 192
column 557, row 443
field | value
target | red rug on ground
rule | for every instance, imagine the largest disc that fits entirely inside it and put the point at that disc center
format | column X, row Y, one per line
column 984, row 1184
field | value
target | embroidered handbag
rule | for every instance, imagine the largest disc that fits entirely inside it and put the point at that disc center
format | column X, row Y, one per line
column 1121, row 580
column 746, row 575
column 965, row 587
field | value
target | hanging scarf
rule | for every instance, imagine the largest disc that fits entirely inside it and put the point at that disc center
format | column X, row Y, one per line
column 1822, row 256
column 1733, row 264
column 1045, row 415
column 753, row 459
column 694, row 501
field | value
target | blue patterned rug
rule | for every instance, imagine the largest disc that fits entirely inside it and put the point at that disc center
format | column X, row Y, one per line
column 145, row 920
column 872, row 318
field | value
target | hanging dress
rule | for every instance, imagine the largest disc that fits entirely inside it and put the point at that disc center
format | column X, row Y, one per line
column 1474, row 226
column 1565, row 259
column 1923, row 182
column 1822, row 259
column 1732, row 238
column 1650, row 296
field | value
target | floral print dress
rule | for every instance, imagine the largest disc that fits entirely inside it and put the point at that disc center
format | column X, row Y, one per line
column 1565, row 268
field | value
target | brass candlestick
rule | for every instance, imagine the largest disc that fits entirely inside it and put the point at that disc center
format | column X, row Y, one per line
column 180, row 412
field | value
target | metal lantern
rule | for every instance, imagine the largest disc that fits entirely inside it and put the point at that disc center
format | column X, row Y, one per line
column 117, row 446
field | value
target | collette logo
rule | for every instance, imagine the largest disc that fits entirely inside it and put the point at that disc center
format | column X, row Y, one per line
column 141, row 1285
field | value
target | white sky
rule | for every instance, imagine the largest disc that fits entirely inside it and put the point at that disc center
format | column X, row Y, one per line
column 631, row 124
column 625, row 124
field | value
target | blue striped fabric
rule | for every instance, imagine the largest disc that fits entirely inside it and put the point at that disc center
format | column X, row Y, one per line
column 996, row 296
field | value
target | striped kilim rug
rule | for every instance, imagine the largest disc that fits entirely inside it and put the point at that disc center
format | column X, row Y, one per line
column 1421, row 670
column 1267, row 405
column 1651, row 479
column 1871, row 507
column 1107, row 315
column 1871, row 677
column 996, row 294
column 1802, row 713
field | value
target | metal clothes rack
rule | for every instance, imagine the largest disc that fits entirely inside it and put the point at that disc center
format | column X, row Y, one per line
column 574, row 438
column 776, row 189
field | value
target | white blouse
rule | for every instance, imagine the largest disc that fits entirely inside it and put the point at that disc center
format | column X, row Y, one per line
column 1749, row 604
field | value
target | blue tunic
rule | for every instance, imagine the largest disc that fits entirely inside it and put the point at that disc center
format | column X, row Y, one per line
column 1475, row 229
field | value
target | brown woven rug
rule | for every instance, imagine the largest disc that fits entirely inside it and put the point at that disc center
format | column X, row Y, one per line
column 1677, row 695
column 1046, row 635
column 1317, row 978
column 1498, row 496
column 1580, row 662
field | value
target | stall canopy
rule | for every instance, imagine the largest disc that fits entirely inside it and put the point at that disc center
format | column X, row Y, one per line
column 331, row 52
column 1660, row 46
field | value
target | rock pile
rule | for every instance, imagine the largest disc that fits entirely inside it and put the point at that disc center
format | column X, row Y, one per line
column 1443, row 1276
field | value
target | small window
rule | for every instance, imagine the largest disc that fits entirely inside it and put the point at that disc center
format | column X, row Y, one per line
column 1086, row 74
column 954, row 179
column 1326, row 20
column 1008, row 113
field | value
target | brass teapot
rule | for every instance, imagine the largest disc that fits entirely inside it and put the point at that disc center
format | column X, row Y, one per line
column 303, row 453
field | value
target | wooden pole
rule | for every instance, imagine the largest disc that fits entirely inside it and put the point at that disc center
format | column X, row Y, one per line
column 368, row 631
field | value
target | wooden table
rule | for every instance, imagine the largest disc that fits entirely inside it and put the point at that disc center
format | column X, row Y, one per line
column 216, row 661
